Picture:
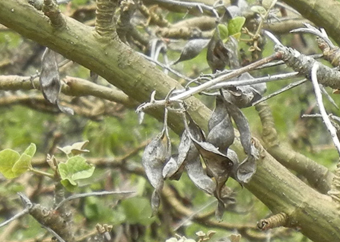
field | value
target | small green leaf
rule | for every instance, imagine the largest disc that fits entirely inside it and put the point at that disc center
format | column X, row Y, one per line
column 22, row 165
column 223, row 31
column 75, row 149
column 75, row 168
column 260, row 10
column 66, row 183
column 30, row 150
column 235, row 25
column 8, row 158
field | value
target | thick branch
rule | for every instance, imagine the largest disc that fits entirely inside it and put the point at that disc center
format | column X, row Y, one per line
column 104, row 17
column 320, row 178
column 306, row 209
column 113, row 60
column 74, row 87
column 321, row 13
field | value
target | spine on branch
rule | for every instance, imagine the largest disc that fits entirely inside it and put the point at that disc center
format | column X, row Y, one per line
column 274, row 221
column 51, row 10
column 105, row 25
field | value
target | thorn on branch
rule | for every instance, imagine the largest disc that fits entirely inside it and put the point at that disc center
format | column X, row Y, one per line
column 104, row 25
column 51, row 10
column 274, row 221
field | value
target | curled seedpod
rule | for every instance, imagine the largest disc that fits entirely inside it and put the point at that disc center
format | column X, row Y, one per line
column 172, row 169
column 221, row 130
column 191, row 49
column 248, row 167
column 218, row 165
column 155, row 156
column 189, row 155
column 156, row 153
column 244, row 96
column 50, row 81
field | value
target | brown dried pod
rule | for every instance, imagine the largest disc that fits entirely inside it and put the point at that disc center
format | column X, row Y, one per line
column 156, row 153
column 221, row 130
column 191, row 49
column 50, row 81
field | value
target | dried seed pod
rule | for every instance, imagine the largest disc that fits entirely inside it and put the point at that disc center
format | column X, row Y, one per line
column 248, row 167
column 191, row 49
column 198, row 175
column 186, row 151
column 221, row 132
column 155, row 201
column 244, row 96
column 50, row 81
column 156, row 153
column 217, row 55
column 170, row 168
column 218, row 165
column 49, row 76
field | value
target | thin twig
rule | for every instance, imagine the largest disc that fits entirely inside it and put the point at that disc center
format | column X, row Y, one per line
column 254, row 80
column 18, row 215
column 166, row 67
column 198, row 5
column 323, row 112
column 286, row 88
column 312, row 30
column 57, row 236
column 88, row 194
column 204, row 86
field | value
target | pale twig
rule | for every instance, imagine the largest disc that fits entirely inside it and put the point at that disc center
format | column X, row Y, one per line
column 330, row 99
column 286, row 88
column 88, row 194
column 28, row 205
column 195, row 90
column 272, row 37
column 18, row 215
column 312, row 30
column 323, row 112
column 189, row 5
column 57, row 236
column 254, row 80
column 166, row 67
column 193, row 214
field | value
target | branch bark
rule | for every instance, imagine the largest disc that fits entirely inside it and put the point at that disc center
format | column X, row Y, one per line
column 313, row 213
column 321, row 13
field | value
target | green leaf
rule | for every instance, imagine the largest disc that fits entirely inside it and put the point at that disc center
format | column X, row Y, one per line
column 223, row 31
column 75, row 149
column 260, row 10
column 66, row 183
column 22, row 165
column 75, row 168
column 235, row 25
column 8, row 158
column 30, row 150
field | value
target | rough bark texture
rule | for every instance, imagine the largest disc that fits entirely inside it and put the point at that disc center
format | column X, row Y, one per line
column 314, row 214
column 324, row 14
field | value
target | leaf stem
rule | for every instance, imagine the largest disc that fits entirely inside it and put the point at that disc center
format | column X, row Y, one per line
column 39, row 172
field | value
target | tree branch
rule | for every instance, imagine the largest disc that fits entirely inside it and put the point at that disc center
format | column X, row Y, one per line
column 321, row 13
column 320, row 178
